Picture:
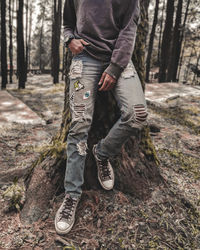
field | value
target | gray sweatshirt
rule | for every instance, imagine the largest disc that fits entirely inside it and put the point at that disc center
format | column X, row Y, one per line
column 109, row 26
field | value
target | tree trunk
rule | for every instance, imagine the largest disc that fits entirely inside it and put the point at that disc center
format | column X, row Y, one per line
column 188, row 69
column 63, row 63
column 182, row 36
column 151, row 40
column 11, row 41
column 21, row 65
column 160, row 34
column 166, row 41
column 138, row 57
column 26, row 37
column 52, row 38
column 4, row 65
column 136, row 167
column 196, row 70
column 29, row 34
column 41, row 66
column 176, row 46
column 56, row 40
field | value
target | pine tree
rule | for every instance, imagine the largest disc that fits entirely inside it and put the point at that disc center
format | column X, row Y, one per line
column 151, row 40
column 56, row 32
column 21, row 64
column 166, row 41
column 42, row 36
column 176, row 46
column 4, row 65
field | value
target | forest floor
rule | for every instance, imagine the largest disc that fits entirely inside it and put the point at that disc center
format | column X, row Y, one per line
column 170, row 219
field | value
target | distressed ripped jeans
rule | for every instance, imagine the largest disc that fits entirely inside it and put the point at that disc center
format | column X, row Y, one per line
column 85, row 73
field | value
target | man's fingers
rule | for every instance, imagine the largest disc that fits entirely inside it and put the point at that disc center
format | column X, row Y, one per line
column 105, row 84
column 102, row 78
column 84, row 42
column 110, row 86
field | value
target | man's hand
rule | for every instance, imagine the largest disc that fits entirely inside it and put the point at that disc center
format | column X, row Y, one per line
column 76, row 46
column 107, row 82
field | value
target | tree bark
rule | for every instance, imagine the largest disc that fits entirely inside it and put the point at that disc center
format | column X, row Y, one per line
column 136, row 167
column 176, row 46
column 188, row 69
column 160, row 34
column 151, row 40
column 26, row 39
column 56, row 40
column 63, row 63
column 41, row 66
column 21, row 65
column 196, row 68
column 11, row 41
column 182, row 37
column 166, row 41
column 4, row 65
column 30, row 35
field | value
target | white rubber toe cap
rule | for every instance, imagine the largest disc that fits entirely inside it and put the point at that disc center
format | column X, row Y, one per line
column 108, row 184
column 62, row 225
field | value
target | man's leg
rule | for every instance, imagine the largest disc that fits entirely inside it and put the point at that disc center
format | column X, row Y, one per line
column 131, row 100
column 85, row 74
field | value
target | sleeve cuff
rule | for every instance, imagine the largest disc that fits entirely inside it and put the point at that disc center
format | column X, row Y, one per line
column 114, row 70
column 68, row 39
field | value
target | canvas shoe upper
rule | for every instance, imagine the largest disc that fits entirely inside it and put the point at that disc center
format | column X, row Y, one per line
column 65, row 216
column 105, row 172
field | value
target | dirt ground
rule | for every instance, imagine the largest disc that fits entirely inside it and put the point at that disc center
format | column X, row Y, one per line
column 170, row 219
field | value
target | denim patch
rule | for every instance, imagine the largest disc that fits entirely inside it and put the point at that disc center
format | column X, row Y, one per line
column 86, row 95
column 78, row 85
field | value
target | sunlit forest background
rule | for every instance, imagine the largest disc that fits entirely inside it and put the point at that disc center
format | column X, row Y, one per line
column 155, row 203
column 31, row 41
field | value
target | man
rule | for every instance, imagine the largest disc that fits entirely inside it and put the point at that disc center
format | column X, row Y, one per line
column 101, row 36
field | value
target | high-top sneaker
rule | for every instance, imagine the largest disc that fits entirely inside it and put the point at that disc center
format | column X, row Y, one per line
column 105, row 171
column 65, row 216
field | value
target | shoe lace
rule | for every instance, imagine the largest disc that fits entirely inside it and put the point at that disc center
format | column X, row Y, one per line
column 105, row 171
column 68, row 207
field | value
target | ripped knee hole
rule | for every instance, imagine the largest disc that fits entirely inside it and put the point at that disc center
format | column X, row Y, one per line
column 82, row 148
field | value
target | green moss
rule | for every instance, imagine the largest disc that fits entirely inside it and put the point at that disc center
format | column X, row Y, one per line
column 153, row 245
column 193, row 110
column 120, row 240
column 181, row 116
column 147, row 146
column 15, row 195
column 55, row 149
column 186, row 162
column 72, row 247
